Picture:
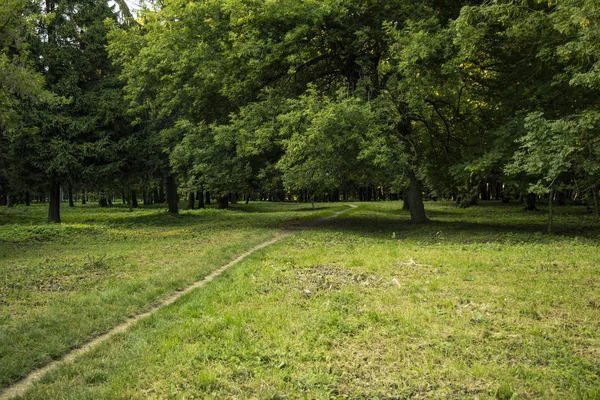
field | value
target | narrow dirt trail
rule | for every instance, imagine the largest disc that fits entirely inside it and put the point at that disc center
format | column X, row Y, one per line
column 20, row 387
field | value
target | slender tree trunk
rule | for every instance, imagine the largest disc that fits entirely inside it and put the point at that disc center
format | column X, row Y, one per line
column 83, row 199
column 247, row 198
column 10, row 200
column 134, row 200
column 223, row 202
column 595, row 197
column 70, row 193
column 161, row 192
column 207, row 199
column 200, row 197
column 415, row 201
column 550, row 215
column 54, row 206
column 155, row 196
column 27, row 199
column 191, row 201
column 172, row 200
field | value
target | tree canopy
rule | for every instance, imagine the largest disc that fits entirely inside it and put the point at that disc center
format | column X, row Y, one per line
column 303, row 98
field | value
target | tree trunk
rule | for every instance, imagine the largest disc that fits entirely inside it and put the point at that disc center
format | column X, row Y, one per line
column 200, row 197
column 207, row 199
column 550, row 201
column 531, row 197
column 223, row 202
column 27, row 199
column 161, row 192
column 172, row 200
column 134, row 200
column 415, row 201
column 54, row 206
column 595, row 197
column 102, row 199
column 83, row 199
column 10, row 200
column 191, row 201
column 70, row 193
column 155, row 196
column 405, row 203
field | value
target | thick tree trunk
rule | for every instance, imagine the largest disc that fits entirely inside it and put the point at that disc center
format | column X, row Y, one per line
column 207, row 199
column 191, row 201
column 531, row 197
column 223, row 202
column 550, row 201
column 405, row 203
column 172, row 200
column 54, row 206
column 415, row 201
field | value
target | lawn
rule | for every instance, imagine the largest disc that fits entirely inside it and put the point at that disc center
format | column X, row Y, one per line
column 478, row 304
column 61, row 285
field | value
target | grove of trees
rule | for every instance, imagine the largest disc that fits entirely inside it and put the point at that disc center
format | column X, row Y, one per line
column 303, row 99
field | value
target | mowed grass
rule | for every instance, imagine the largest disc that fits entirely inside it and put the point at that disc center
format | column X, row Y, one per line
column 476, row 305
column 61, row 285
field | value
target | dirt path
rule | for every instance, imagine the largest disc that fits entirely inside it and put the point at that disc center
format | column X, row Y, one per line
column 20, row 387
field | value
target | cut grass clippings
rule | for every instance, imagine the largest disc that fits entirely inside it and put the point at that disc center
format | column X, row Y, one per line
column 474, row 305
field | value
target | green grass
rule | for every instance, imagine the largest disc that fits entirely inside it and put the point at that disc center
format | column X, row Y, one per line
column 478, row 304
column 61, row 285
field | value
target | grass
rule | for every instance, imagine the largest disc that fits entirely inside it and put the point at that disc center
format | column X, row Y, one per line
column 478, row 304
column 61, row 285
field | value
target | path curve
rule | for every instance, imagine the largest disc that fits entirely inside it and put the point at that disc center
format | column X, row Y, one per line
column 20, row 387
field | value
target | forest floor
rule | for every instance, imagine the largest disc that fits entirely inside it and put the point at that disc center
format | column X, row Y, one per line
column 479, row 303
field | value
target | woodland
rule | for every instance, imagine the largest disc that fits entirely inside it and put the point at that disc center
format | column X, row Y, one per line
column 198, row 199
column 299, row 100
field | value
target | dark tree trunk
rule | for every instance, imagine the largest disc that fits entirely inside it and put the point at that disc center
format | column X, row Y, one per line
column 530, row 206
column 161, row 192
column 247, row 198
column 191, row 201
column 71, row 202
column 415, row 201
column 172, row 200
column 550, row 215
column 10, row 200
column 54, row 206
column 83, row 199
column 200, row 197
column 223, row 202
column 27, row 199
column 595, row 197
column 207, row 199
column 102, row 199
column 134, row 200
column 155, row 196
column 124, row 198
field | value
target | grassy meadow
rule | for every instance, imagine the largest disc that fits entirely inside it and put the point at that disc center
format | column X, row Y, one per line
column 478, row 304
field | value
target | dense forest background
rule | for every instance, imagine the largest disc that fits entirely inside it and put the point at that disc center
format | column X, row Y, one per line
column 233, row 100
